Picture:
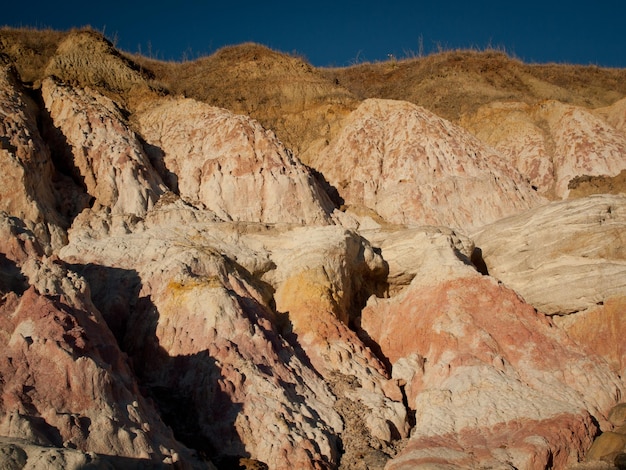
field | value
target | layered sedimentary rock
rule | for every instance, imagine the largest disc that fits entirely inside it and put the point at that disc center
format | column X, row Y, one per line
column 26, row 180
column 100, row 151
column 477, row 365
column 172, row 277
column 217, row 338
column 205, row 342
column 563, row 257
column 65, row 382
column 322, row 277
column 413, row 167
column 551, row 142
column 230, row 165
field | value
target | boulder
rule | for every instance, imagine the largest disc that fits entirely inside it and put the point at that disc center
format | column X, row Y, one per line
column 607, row 446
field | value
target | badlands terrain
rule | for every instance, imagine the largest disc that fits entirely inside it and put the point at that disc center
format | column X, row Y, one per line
column 243, row 261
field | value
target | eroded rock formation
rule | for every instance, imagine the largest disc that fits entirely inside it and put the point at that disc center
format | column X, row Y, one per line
column 179, row 289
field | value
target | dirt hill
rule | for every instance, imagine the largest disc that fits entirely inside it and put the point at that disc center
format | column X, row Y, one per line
column 305, row 105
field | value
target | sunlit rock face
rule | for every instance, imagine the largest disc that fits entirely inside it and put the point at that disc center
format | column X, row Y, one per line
column 102, row 151
column 564, row 257
column 177, row 288
column 478, row 367
column 65, row 382
column 230, row 165
column 413, row 167
column 28, row 177
column 552, row 143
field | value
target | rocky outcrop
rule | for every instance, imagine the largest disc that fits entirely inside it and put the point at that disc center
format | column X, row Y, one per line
column 321, row 279
column 563, row 257
column 230, row 165
column 615, row 115
column 586, row 185
column 413, row 167
column 172, row 277
column 552, row 143
column 478, row 367
column 424, row 255
column 600, row 330
column 101, row 152
column 217, row 337
column 65, row 382
column 201, row 333
column 27, row 177
column 610, row 446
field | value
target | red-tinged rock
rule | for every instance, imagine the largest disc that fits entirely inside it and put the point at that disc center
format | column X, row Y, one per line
column 412, row 167
column 600, row 330
column 67, row 384
column 26, row 179
column 322, row 275
column 514, row 131
column 523, row 444
column 474, row 356
column 584, row 144
column 552, row 143
column 203, row 338
column 103, row 151
column 230, row 165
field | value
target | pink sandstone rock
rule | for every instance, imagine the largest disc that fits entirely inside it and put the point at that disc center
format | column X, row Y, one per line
column 514, row 131
column 322, row 275
column 551, row 143
column 26, row 179
column 412, row 167
column 230, row 165
column 474, row 357
column 106, row 154
column 65, row 382
column 201, row 333
column 523, row 444
column 600, row 330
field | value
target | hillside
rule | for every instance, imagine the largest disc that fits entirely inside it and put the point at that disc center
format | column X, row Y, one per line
column 244, row 261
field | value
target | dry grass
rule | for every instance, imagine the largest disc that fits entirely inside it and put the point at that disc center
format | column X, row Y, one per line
column 283, row 92
column 453, row 83
column 304, row 105
column 82, row 57
column 29, row 50
column 585, row 185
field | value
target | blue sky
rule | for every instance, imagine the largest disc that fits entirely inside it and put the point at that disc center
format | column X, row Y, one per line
column 336, row 33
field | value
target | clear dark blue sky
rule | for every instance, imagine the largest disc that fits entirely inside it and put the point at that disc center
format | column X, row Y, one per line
column 338, row 33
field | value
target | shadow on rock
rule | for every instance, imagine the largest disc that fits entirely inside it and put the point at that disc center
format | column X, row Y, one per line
column 186, row 389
